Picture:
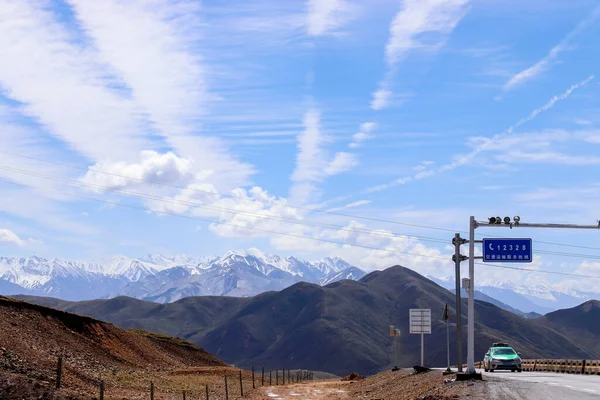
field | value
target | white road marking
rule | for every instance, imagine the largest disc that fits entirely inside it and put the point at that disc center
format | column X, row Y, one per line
column 589, row 390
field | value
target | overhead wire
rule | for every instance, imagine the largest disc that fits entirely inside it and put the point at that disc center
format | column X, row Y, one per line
column 223, row 209
column 307, row 237
column 146, row 196
column 308, row 209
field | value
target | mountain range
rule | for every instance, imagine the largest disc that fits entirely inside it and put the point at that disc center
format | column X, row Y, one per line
column 165, row 279
column 343, row 326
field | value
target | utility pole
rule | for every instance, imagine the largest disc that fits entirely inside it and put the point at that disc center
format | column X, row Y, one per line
column 501, row 223
column 471, row 304
column 458, row 258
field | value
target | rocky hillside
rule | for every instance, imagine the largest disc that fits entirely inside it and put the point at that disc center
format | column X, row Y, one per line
column 33, row 336
column 337, row 328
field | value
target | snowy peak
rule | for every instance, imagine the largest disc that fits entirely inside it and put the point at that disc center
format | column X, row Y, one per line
column 166, row 278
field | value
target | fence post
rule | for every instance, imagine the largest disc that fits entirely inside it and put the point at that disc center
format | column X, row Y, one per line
column 226, row 391
column 283, row 376
column 206, row 387
column 101, row 390
column 241, row 385
column 262, row 379
column 270, row 378
column 253, row 386
column 151, row 390
column 184, row 395
column 59, row 372
column 583, row 368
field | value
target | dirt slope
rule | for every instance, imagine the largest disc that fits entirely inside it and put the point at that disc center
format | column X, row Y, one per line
column 32, row 337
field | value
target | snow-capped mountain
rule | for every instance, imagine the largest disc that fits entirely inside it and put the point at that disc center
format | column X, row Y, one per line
column 165, row 279
column 539, row 298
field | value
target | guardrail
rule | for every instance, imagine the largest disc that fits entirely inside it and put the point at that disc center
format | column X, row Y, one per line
column 582, row 367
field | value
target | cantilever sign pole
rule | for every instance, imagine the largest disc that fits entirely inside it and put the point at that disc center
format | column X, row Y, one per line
column 473, row 224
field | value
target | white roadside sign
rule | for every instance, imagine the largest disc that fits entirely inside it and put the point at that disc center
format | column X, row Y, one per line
column 420, row 320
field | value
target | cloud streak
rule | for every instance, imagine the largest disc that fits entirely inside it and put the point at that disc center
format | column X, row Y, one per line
column 419, row 25
column 325, row 16
column 464, row 159
column 545, row 63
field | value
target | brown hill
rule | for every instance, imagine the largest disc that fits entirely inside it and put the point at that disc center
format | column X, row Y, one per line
column 339, row 328
column 581, row 322
column 32, row 337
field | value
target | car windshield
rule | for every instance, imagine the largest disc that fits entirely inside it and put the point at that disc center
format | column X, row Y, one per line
column 506, row 352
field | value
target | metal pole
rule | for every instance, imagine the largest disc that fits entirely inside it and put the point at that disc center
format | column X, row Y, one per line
column 395, row 359
column 448, row 343
column 471, row 304
column 457, row 261
column 422, row 346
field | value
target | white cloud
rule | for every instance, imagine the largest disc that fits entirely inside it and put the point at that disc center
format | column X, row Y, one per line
column 544, row 64
column 363, row 134
column 381, row 99
column 161, row 38
column 309, row 161
column 422, row 24
column 8, row 237
column 325, row 16
column 419, row 25
column 485, row 145
column 63, row 85
column 165, row 168
column 350, row 205
column 342, row 162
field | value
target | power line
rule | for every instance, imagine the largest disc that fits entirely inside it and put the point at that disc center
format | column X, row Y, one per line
column 262, row 216
column 308, row 209
column 308, row 237
column 224, row 209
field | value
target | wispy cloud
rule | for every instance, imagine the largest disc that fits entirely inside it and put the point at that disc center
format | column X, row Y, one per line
column 546, row 62
column 8, row 237
column 341, row 162
column 365, row 133
column 350, row 205
column 310, row 158
column 64, row 86
column 325, row 16
column 419, row 25
column 160, row 38
column 464, row 159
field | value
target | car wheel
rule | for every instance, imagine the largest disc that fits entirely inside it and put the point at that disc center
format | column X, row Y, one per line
column 485, row 370
column 491, row 370
column 519, row 370
column 512, row 370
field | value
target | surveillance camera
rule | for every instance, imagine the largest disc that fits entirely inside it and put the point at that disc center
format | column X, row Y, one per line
column 507, row 220
column 492, row 220
column 517, row 219
column 498, row 220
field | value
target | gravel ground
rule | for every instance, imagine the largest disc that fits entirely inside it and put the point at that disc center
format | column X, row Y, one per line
column 399, row 385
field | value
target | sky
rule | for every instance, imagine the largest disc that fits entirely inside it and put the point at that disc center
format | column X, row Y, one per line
column 367, row 130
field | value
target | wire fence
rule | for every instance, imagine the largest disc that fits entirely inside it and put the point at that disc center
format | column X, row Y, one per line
column 192, row 384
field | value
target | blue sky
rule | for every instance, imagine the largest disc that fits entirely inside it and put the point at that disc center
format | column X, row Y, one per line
column 412, row 111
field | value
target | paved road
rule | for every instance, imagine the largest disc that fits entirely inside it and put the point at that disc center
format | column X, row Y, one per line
column 555, row 385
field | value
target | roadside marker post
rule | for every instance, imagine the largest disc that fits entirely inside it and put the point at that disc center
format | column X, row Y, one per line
column 395, row 332
column 446, row 317
column 420, row 323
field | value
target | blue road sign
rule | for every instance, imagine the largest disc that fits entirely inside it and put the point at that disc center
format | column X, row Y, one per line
column 507, row 250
